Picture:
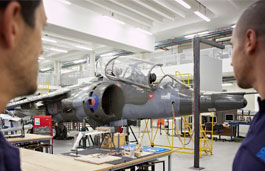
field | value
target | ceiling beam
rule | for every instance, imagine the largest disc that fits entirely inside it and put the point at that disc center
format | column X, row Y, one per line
column 122, row 11
column 156, row 8
column 232, row 2
column 103, row 11
column 171, row 8
column 139, row 9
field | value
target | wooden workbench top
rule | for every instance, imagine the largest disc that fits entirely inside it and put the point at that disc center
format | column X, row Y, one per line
column 138, row 160
column 29, row 137
column 33, row 160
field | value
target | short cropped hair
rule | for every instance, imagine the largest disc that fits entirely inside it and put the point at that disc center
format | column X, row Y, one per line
column 252, row 18
column 28, row 8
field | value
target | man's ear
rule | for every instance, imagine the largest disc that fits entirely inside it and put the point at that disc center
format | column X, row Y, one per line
column 250, row 41
column 10, row 23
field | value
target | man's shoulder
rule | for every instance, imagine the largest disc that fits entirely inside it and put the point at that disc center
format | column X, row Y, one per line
column 10, row 158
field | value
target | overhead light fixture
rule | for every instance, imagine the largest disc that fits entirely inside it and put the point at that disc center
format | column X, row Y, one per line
column 184, row 4
column 192, row 35
column 66, row 2
column 79, row 61
column 45, row 69
column 144, row 31
column 223, row 39
column 227, row 84
column 48, row 40
column 204, row 17
column 58, row 50
column 83, row 47
column 46, row 61
column 107, row 54
column 113, row 19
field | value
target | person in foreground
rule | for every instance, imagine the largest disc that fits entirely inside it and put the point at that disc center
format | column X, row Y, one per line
column 21, row 24
column 248, row 60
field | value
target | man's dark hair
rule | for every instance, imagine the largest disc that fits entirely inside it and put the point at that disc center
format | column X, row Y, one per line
column 252, row 18
column 28, row 8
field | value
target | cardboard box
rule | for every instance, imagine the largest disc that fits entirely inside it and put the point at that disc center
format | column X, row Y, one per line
column 107, row 141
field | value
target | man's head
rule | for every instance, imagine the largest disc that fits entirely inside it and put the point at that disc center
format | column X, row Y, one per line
column 248, row 42
column 21, row 24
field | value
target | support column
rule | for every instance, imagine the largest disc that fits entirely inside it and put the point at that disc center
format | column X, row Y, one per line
column 57, row 73
column 196, row 98
column 92, row 64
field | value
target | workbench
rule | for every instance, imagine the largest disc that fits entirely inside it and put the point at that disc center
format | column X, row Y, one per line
column 236, row 125
column 33, row 160
column 30, row 138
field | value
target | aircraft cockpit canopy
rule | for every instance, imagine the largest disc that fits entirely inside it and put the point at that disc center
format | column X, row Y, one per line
column 131, row 70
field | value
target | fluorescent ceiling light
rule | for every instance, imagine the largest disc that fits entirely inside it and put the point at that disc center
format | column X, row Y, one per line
column 203, row 33
column 107, row 54
column 59, row 50
column 114, row 19
column 66, row 2
column 184, row 4
column 79, row 61
column 144, row 31
column 48, row 40
column 192, row 35
column 45, row 69
column 45, row 61
column 227, row 84
column 83, row 47
column 202, row 16
column 224, row 39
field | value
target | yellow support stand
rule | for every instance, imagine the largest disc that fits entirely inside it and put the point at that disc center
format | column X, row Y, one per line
column 206, row 144
column 44, row 88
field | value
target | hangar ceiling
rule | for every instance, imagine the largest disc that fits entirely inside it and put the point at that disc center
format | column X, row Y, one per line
column 163, row 19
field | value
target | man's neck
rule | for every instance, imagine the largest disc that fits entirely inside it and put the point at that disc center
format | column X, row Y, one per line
column 5, row 91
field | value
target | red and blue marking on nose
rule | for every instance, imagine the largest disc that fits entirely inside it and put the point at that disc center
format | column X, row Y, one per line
column 92, row 102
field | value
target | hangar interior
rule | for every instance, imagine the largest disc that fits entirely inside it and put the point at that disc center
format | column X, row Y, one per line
column 84, row 37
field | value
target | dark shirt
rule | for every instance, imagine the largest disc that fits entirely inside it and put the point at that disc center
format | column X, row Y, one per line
column 251, row 154
column 9, row 156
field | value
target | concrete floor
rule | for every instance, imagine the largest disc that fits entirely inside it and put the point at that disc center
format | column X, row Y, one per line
column 221, row 160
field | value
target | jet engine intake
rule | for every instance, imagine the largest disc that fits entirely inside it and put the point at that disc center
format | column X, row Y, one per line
column 105, row 103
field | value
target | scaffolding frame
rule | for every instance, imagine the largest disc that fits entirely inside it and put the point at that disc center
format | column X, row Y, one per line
column 44, row 88
column 206, row 143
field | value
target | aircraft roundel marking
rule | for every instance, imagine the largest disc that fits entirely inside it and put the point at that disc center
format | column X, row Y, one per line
column 94, row 102
column 150, row 96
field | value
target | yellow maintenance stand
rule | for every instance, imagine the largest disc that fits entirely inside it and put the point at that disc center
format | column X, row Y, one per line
column 44, row 87
column 206, row 144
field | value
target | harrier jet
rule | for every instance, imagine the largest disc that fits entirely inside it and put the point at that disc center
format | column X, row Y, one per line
column 128, row 90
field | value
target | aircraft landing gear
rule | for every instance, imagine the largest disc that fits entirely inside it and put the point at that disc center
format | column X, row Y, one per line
column 59, row 132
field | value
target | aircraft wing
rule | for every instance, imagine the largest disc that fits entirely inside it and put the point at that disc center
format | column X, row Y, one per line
column 45, row 97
